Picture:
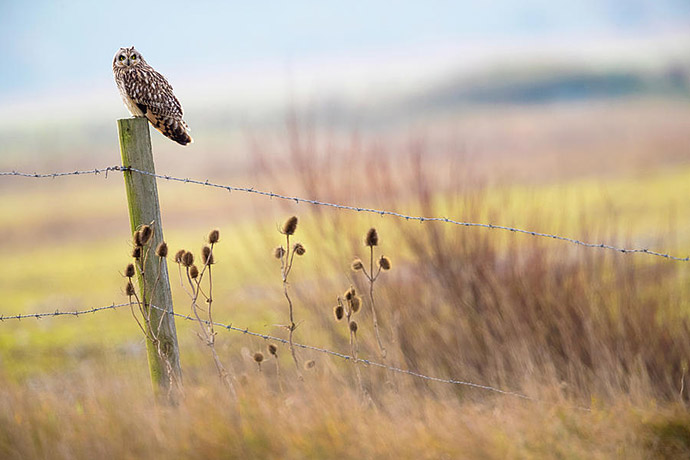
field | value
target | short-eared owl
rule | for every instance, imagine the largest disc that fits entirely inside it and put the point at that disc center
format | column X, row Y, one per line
column 147, row 93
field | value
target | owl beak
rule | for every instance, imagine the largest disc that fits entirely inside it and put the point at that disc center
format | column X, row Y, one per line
column 128, row 62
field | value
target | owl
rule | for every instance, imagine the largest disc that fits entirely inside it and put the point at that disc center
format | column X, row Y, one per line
column 147, row 93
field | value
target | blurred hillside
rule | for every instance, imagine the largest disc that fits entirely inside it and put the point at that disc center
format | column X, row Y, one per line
column 557, row 84
column 222, row 130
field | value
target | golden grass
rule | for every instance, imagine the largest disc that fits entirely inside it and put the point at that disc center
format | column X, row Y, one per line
column 566, row 325
column 97, row 413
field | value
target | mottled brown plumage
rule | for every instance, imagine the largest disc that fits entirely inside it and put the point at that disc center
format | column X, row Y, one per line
column 146, row 93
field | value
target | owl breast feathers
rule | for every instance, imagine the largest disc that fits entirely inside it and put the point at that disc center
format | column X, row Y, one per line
column 146, row 93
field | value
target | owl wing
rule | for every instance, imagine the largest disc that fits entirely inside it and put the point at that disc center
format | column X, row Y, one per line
column 152, row 93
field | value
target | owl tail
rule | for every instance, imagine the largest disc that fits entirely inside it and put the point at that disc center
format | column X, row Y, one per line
column 172, row 128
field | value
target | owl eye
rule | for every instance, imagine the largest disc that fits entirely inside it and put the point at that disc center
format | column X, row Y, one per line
column 122, row 58
column 134, row 56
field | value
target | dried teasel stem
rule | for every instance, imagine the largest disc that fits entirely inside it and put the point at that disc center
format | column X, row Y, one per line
column 287, row 256
column 344, row 310
column 354, row 350
column 195, row 276
column 162, row 253
column 292, row 326
column 140, row 253
column 371, row 239
column 130, row 292
column 372, row 279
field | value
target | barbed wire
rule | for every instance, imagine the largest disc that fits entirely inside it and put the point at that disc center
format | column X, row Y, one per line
column 62, row 313
column 379, row 212
column 368, row 362
column 63, row 174
column 230, row 327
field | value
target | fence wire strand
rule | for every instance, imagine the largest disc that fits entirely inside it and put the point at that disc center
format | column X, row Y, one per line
column 230, row 327
column 351, row 358
column 379, row 212
column 62, row 313
column 63, row 174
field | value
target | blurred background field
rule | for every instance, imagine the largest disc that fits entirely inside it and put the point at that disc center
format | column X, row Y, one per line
column 551, row 117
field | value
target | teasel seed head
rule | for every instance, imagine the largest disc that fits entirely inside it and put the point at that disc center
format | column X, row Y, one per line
column 355, row 303
column 279, row 252
column 290, row 226
column 357, row 265
column 258, row 357
column 179, row 255
column 309, row 364
column 299, row 249
column 193, row 271
column 372, row 238
column 207, row 256
column 136, row 239
column 385, row 263
column 146, row 233
column 136, row 253
column 353, row 326
column 214, row 236
column 129, row 271
column 187, row 259
column 162, row 250
column 338, row 312
column 129, row 289
column 272, row 349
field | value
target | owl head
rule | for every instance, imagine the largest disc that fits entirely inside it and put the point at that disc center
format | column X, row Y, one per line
column 127, row 57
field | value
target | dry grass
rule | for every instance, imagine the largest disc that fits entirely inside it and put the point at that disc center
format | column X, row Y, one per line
column 565, row 325
column 96, row 413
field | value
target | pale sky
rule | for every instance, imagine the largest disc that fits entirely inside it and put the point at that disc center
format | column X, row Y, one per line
column 64, row 49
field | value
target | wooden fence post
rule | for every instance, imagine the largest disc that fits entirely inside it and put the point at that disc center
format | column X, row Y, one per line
column 144, row 208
